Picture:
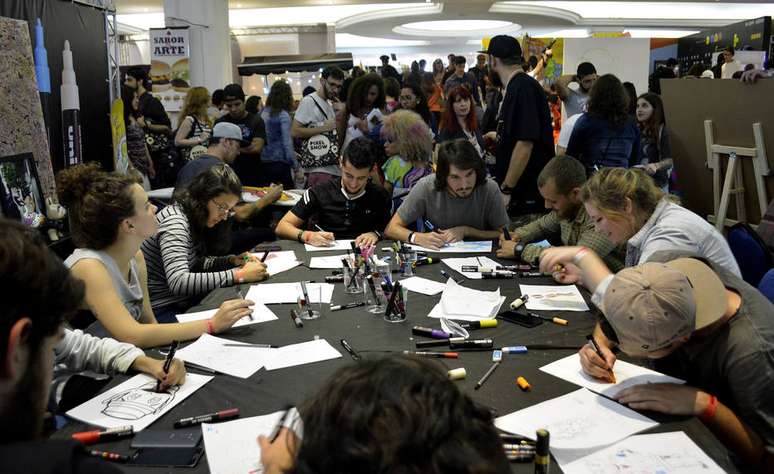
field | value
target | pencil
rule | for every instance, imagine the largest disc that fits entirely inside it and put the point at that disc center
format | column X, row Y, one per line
column 599, row 353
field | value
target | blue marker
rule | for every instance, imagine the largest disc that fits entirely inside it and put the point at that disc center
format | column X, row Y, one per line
column 43, row 77
column 514, row 350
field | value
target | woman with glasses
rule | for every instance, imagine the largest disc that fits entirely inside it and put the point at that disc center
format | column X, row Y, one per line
column 188, row 257
column 110, row 217
column 413, row 98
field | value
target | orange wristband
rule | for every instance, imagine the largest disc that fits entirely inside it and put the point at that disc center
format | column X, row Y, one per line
column 239, row 275
column 709, row 411
column 210, row 329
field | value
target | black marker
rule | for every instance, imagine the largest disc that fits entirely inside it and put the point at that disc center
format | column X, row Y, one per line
column 340, row 307
column 296, row 320
column 167, row 362
column 348, row 348
column 506, row 234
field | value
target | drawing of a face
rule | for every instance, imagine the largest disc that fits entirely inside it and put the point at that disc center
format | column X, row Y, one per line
column 139, row 402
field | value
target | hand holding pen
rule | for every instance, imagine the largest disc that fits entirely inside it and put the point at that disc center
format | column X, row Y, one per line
column 167, row 363
column 277, row 449
column 597, row 362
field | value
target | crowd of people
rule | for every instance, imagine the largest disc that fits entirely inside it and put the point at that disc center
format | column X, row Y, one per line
column 429, row 158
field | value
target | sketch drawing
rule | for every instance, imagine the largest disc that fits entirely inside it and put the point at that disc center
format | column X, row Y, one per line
column 629, row 461
column 139, row 402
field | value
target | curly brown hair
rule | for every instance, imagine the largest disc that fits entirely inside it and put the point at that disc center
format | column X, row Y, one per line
column 280, row 97
column 608, row 100
column 356, row 98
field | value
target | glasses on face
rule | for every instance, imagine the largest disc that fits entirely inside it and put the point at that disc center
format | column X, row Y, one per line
column 407, row 98
column 223, row 209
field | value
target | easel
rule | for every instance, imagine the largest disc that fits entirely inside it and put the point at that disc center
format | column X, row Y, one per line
column 733, row 184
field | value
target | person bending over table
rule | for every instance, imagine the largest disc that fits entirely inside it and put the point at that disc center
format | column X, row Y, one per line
column 628, row 208
column 459, row 201
column 560, row 184
column 402, row 415
column 39, row 294
column 110, row 217
column 695, row 320
column 346, row 207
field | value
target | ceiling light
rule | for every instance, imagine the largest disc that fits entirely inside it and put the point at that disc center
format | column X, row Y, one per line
column 653, row 10
column 457, row 28
column 646, row 33
column 568, row 33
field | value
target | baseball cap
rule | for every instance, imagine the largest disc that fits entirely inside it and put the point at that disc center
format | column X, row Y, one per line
column 503, row 46
column 229, row 130
column 233, row 92
column 652, row 305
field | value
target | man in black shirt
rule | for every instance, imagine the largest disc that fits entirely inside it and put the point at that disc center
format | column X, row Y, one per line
column 524, row 134
column 248, row 163
column 40, row 293
column 480, row 71
column 389, row 71
column 154, row 117
column 349, row 207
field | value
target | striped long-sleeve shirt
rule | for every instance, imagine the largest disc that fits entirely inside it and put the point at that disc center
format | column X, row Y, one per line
column 177, row 266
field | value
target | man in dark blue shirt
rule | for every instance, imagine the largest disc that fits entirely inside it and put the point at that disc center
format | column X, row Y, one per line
column 224, row 147
column 248, row 163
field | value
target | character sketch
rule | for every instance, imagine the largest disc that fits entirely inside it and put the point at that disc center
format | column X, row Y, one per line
column 139, row 402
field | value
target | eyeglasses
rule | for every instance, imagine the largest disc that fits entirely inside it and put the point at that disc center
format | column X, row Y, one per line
column 407, row 98
column 224, row 209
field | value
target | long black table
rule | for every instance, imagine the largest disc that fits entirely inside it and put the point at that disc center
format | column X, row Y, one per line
column 267, row 392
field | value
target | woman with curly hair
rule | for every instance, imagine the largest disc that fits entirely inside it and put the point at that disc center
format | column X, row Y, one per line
column 606, row 135
column 363, row 115
column 110, row 218
column 278, row 157
column 194, row 131
column 459, row 120
column 409, row 144
column 397, row 414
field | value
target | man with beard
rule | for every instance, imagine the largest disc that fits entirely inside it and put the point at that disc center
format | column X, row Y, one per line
column 349, row 207
column 575, row 100
column 317, row 114
column 40, row 293
column 560, row 184
column 458, row 201
column 248, row 163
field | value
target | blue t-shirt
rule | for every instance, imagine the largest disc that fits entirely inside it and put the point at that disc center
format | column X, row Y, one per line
column 188, row 172
column 597, row 142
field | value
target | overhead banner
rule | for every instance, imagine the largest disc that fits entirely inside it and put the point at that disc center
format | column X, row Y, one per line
column 169, row 72
column 118, row 130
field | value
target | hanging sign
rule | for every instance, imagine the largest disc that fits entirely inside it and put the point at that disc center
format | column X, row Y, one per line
column 169, row 72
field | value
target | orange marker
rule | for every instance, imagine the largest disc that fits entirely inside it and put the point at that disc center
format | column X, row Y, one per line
column 523, row 384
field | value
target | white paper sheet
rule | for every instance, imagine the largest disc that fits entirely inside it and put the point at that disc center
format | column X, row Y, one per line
column 626, row 375
column 331, row 262
column 466, row 304
column 131, row 404
column 657, row 453
column 483, row 246
column 423, row 285
column 554, row 298
column 580, row 423
column 232, row 447
column 278, row 262
column 279, row 293
column 261, row 314
column 302, row 353
column 456, row 264
column 211, row 352
column 337, row 245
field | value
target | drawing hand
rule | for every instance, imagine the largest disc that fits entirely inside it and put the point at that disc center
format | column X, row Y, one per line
column 155, row 368
column 674, row 399
column 277, row 457
column 594, row 365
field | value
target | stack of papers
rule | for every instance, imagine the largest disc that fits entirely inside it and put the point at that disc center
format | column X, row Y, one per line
column 626, row 375
column 135, row 402
column 554, row 298
column 456, row 264
column 279, row 293
column 423, row 285
column 579, row 423
column 337, row 245
column 277, row 262
column 458, row 247
column 261, row 314
column 237, row 359
column 465, row 304
column 333, row 262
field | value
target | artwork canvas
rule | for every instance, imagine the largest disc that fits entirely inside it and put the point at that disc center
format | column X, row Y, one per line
column 21, row 195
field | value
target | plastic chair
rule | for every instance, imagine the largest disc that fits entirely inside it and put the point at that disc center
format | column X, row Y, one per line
column 766, row 286
column 752, row 255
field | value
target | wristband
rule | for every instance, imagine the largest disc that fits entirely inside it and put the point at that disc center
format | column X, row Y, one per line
column 378, row 234
column 210, row 329
column 579, row 256
column 517, row 250
column 299, row 236
column 239, row 275
column 709, row 411
column 411, row 237
column 307, row 236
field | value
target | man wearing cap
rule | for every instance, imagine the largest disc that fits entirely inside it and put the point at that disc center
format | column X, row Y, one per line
column 696, row 321
column 248, row 164
column 524, row 134
column 389, row 71
column 575, row 100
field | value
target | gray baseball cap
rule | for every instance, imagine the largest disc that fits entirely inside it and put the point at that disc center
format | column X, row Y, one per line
column 229, row 130
column 652, row 305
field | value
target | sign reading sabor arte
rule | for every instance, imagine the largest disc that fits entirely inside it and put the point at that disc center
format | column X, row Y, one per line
column 169, row 71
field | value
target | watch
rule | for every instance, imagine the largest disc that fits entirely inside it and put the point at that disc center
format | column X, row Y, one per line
column 505, row 189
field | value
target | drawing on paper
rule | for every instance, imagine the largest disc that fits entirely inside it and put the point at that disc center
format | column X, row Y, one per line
column 571, row 428
column 629, row 461
column 139, row 402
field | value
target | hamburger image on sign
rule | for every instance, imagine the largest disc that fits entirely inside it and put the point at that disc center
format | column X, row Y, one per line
column 160, row 75
column 180, row 75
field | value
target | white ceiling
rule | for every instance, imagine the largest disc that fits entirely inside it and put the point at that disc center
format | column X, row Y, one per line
column 384, row 19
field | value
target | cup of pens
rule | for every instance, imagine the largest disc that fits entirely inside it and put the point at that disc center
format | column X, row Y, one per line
column 407, row 260
column 396, row 297
column 374, row 294
column 305, row 308
column 353, row 281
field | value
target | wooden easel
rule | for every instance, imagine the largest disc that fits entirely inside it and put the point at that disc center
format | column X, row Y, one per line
column 733, row 183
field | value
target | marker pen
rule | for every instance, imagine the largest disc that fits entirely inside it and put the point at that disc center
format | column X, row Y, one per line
column 208, row 418
column 108, row 456
column 91, row 437
column 515, row 268
column 514, row 350
column 555, row 320
column 438, row 355
column 424, row 261
column 334, row 279
column 534, row 274
column 476, row 269
column 497, row 275
column 339, row 307
column 471, row 344
column 516, row 304
column 506, row 234
column 428, row 332
column 542, row 456
column 43, row 76
column 71, row 110
column 296, row 320
column 486, row 323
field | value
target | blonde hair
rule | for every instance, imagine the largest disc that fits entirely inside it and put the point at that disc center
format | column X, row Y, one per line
column 410, row 134
column 197, row 100
column 608, row 189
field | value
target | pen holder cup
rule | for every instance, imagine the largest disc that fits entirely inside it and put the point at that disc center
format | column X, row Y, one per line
column 375, row 298
column 399, row 313
column 407, row 260
column 306, row 311
column 353, row 280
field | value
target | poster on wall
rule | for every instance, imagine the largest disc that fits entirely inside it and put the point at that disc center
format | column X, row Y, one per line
column 536, row 46
column 169, row 72
column 118, row 131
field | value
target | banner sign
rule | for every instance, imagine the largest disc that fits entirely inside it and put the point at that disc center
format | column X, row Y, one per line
column 170, row 49
column 118, row 130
